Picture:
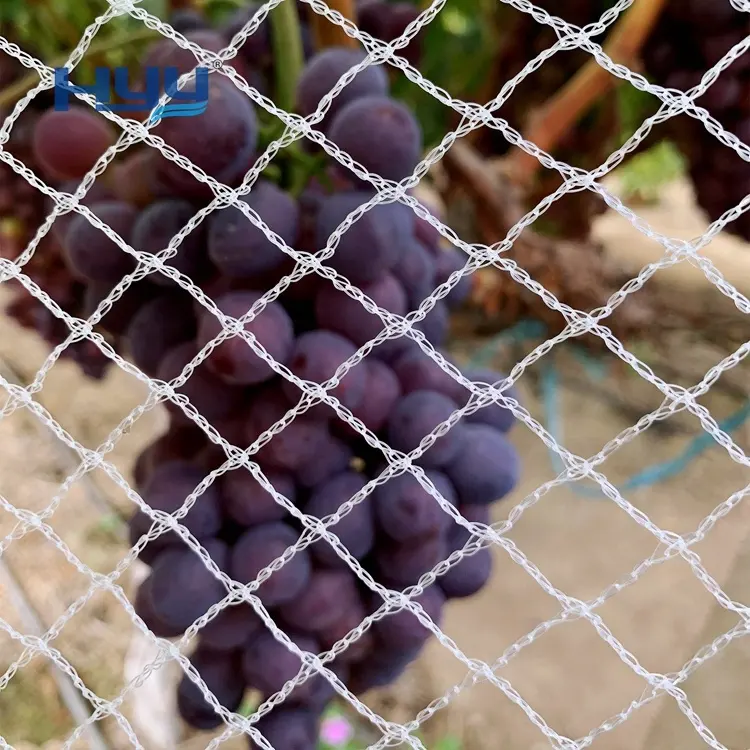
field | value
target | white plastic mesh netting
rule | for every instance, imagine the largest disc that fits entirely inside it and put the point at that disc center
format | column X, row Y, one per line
column 473, row 116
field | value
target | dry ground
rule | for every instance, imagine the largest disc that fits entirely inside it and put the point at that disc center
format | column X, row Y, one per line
column 568, row 674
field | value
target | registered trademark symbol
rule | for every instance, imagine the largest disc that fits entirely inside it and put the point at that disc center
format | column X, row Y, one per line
column 216, row 63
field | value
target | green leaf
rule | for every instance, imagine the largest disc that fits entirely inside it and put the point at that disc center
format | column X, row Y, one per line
column 645, row 175
column 448, row 743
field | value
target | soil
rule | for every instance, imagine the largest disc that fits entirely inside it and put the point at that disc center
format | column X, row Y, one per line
column 568, row 674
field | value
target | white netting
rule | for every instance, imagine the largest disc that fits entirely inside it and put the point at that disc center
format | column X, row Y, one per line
column 473, row 115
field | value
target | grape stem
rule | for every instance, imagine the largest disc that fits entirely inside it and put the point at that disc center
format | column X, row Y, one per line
column 11, row 94
column 327, row 34
column 288, row 56
column 561, row 113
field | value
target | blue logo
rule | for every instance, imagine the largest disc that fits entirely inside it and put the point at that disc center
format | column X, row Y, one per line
column 183, row 103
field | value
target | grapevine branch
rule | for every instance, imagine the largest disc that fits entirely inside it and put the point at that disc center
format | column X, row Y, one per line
column 327, row 34
column 560, row 114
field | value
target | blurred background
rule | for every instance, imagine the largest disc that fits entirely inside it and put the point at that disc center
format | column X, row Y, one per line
column 671, row 180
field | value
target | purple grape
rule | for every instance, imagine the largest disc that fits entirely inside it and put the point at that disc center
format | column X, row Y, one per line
column 381, row 667
column 369, row 247
column 231, row 629
column 258, row 548
column 221, row 142
column 404, row 510
column 355, row 530
column 155, row 227
column 67, row 144
column 381, row 134
column 238, row 248
column 331, row 457
column 160, row 325
column 324, row 70
column 402, row 630
column 316, row 357
column 414, row 417
column 485, row 468
column 404, row 563
column 351, row 618
column 166, row 490
column 181, row 587
column 267, row 664
column 435, row 324
column 494, row 415
column 416, row 270
column 337, row 311
column 417, row 371
column 470, row 574
column 209, row 395
column 288, row 728
column 90, row 253
column 248, row 503
column 224, row 681
column 382, row 391
column 233, row 360
column 327, row 597
column 256, row 49
column 449, row 261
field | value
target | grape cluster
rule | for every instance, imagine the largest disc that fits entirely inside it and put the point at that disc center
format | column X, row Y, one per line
column 318, row 461
column 690, row 38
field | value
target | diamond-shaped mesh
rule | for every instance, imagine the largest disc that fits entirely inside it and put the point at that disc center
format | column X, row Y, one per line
column 473, row 115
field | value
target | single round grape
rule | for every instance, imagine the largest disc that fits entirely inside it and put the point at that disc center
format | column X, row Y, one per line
column 267, row 663
column 67, row 144
column 237, row 247
column 417, row 371
column 449, row 261
column 382, row 391
column 494, row 415
column 404, row 563
column 416, row 270
column 486, row 466
column 337, row 311
column 211, row 397
column 166, row 490
column 403, row 630
column 182, row 441
column 296, row 445
column 331, row 457
column 404, row 510
column 316, row 357
column 154, row 229
column 336, row 631
column 324, row 70
column 381, row 667
column 161, row 324
column 381, row 134
column 233, row 360
column 134, row 178
column 259, row 547
column 221, row 141
column 470, row 574
column 231, row 629
column 224, row 681
column 145, row 611
column 182, row 588
column 327, row 597
column 248, row 503
column 288, row 728
column 435, row 324
column 90, row 253
column 414, row 417
column 355, row 530
column 368, row 248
